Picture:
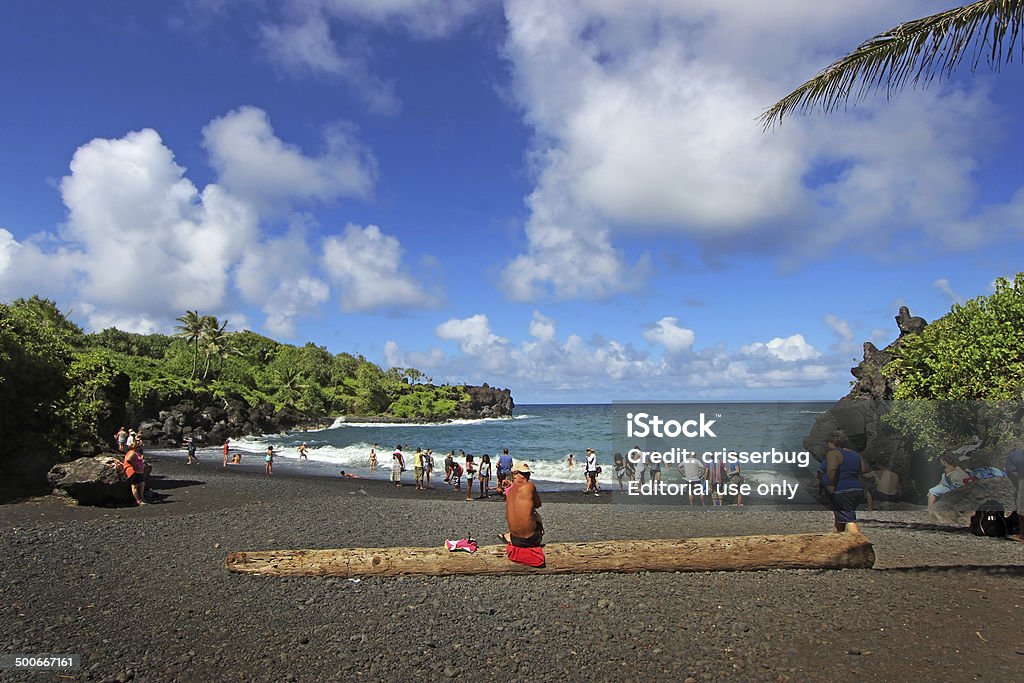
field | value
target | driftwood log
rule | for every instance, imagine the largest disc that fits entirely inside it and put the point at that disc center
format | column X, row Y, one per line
column 736, row 553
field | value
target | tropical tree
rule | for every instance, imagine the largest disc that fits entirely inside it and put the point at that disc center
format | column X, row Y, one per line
column 191, row 326
column 913, row 52
column 215, row 340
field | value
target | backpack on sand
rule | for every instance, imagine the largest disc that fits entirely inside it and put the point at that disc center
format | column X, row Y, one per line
column 989, row 520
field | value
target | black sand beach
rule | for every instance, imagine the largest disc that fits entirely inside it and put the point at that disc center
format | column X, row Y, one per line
column 142, row 593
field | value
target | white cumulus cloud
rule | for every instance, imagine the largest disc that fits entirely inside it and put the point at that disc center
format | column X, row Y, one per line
column 149, row 242
column 277, row 275
column 667, row 332
column 256, row 165
column 541, row 327
column 791, row 348
column 644, row 117
column 367, row 265
column 473, row 334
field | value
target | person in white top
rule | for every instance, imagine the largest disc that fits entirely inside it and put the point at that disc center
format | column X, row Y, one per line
column 592, row 472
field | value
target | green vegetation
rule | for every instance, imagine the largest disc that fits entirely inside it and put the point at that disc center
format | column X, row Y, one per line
column 59, row 386
column 964, row 373
column 913, row 52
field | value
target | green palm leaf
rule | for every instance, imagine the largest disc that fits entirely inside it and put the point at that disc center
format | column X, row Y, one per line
column 914, row 52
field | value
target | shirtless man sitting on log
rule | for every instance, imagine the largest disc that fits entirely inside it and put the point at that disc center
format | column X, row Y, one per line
column 521, row 502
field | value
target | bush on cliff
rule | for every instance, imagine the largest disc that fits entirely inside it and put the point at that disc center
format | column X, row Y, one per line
column 964, row 373
column 430, row 402
column 37, row 349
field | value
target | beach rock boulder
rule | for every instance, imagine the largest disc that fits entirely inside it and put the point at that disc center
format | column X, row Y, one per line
column 95, row 480
column 486, row 401
column 957, row 506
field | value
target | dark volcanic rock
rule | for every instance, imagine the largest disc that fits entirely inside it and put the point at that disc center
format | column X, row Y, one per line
column 210, row 420
column 859, row 412
column 486, row 401
column 95, row 480
column 957, row 506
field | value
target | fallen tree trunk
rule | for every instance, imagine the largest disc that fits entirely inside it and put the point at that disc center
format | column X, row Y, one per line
column 736, row 553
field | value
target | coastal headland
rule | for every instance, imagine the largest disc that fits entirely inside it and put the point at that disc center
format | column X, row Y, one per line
column 142, row 593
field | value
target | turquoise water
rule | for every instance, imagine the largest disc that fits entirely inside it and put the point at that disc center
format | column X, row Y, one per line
column 543, row 435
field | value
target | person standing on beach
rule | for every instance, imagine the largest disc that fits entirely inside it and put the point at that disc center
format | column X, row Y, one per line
column 470, row 471
column 226, row 442
column 121, row 439
column 485, row 476
column 522, row 502
column 843, row 469
column 449, row 466
column 428, row 467
column 504, row 467
column 373, row 457
column 456, row 478
column 270, row 460
column 129, row 443
column 715, row 473
column 639, row 458
column 693, row 473
column 397, row 465
column 417, row 469
column 302, row 452
column 654, row 468
column 736, row 479
column 591, row 472
column 135, row 470
column 619, row 464
column 190, row 443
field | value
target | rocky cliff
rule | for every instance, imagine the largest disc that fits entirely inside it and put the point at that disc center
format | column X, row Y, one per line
column 486, row 401
column 859, row 415
column 210, row 420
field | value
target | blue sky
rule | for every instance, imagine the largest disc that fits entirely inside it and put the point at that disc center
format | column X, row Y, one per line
column 574, row 200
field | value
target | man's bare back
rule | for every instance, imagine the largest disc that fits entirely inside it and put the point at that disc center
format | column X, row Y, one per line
column 521, row 503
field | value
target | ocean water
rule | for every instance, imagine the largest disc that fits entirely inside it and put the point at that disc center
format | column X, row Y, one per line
column 543, row 435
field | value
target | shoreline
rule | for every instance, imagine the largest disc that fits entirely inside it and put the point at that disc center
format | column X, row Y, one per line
column 71, row 575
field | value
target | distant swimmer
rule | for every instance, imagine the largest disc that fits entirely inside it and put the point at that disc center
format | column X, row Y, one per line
column 373, row 457
column 569, row 460
column 345, row 474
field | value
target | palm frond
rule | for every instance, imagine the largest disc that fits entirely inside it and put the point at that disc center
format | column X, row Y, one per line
column 914, row 52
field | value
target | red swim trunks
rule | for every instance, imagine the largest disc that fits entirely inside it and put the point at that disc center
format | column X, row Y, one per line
column 532, row 557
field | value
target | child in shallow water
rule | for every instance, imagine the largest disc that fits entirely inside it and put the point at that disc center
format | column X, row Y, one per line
column 270, row 460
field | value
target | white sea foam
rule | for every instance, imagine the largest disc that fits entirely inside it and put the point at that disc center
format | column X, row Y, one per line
column 340, row 422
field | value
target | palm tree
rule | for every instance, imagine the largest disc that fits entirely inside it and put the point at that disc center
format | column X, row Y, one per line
column 191, row 327
column 215, row 340
column 915, row 52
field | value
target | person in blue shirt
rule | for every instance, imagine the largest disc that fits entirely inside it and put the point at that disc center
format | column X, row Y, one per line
column 843, row 469
column 504, row 467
